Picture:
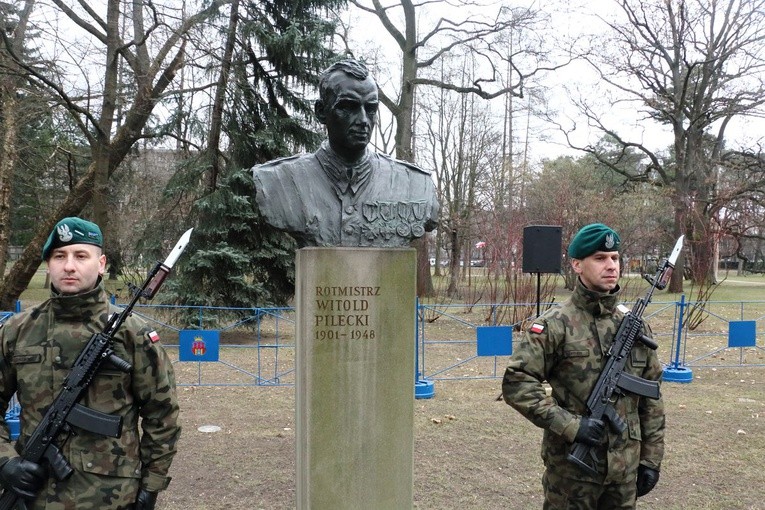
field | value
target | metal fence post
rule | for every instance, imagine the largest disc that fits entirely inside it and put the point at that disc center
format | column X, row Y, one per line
column 675, row 372
column 422, row 387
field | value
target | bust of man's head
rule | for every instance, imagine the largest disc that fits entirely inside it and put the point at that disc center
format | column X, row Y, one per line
column 348, row 106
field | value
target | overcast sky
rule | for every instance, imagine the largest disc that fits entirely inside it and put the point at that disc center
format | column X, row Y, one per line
column 571, row 20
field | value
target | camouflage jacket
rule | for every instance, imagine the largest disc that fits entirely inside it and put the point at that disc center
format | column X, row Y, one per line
column 565, row 347
column 37, row 350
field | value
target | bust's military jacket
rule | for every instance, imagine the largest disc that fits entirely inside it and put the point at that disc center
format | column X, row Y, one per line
column 37, row 350
column 380, row 202
column 565, row 347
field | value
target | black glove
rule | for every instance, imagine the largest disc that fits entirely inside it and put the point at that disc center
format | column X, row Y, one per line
column 590, row 431
column 22, row 477
column 145, row 500
column 646, row 480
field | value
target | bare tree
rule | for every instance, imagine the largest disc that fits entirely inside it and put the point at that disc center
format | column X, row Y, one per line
column 152, row 49
column 462, row 147
column 692, row 66
column 739, row 209
column 422, row 50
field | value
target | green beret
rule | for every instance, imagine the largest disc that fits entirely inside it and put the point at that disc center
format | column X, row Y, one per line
column 591, row 238
column 72, row 231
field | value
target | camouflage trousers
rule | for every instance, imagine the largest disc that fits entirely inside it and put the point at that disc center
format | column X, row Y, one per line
column 563, row 493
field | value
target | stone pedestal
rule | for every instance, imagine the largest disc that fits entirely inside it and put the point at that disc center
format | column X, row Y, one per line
column 355, row 378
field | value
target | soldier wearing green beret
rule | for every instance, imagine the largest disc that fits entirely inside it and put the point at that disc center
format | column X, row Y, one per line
column 565, row 347
column 37, row 350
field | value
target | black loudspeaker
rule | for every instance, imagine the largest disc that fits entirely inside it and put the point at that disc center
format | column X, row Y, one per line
column 542, row 249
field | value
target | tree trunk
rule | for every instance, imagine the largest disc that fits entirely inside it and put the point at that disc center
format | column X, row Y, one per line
column 454, row 264
column 676, row 280
column 9, row 126
column 424, row 280
column 101, row 148
column 404, row 121
column 218, row 104
column 24, row 269
column 8, row 157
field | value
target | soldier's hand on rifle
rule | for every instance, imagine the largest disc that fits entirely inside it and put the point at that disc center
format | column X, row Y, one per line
column 590, row 431
column 22, row 477
column 145, row 501
column 646, row 480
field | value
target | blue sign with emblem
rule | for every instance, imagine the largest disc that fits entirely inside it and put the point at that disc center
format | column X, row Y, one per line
column 198, row 345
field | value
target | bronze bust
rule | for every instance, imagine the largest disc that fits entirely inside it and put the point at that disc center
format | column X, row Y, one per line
column 344, row 194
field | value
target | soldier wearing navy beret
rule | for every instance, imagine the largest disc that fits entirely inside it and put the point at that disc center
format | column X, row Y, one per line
column 37, row 350
column 565, row 347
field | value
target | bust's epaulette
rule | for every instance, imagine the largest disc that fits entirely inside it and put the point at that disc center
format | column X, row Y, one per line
column 405, row 163
column 278, row 161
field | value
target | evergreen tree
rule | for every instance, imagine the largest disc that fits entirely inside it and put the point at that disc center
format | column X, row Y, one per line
column 33, row 179
column 232, row 260
column 284, row 48
column 235, row 258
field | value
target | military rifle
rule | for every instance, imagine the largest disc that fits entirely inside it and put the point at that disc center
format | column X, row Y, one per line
column 65, row 411
column 613, row 380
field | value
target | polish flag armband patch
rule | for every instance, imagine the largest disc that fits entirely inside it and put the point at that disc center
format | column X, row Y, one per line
column 154, row 337
column 537, row 328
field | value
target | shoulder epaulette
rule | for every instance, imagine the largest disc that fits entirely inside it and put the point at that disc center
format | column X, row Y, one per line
column 407, row 164
column 278, row 161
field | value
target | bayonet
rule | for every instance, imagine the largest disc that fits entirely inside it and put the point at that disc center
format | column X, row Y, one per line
column 163, row 268
column 676, row 251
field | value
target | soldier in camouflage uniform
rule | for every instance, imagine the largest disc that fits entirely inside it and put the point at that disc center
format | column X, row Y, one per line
column 344, row 194
column 37, row 350
column 565, row 348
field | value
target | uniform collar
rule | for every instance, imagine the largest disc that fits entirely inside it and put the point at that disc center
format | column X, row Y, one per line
column 597, row 303
column 81, row 306
column 344, row 177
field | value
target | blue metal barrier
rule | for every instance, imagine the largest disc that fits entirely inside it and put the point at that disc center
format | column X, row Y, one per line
column 727, row 339
column 733, row 340
column 259, row 353
column 675, row 371
column 4, row 316
column 256, row 346
column 12, row 418
column 14, row 409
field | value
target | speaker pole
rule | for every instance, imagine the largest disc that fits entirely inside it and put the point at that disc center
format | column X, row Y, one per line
column 538, row 292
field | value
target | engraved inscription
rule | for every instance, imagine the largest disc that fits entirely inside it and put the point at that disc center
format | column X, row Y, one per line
column 343, row 312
